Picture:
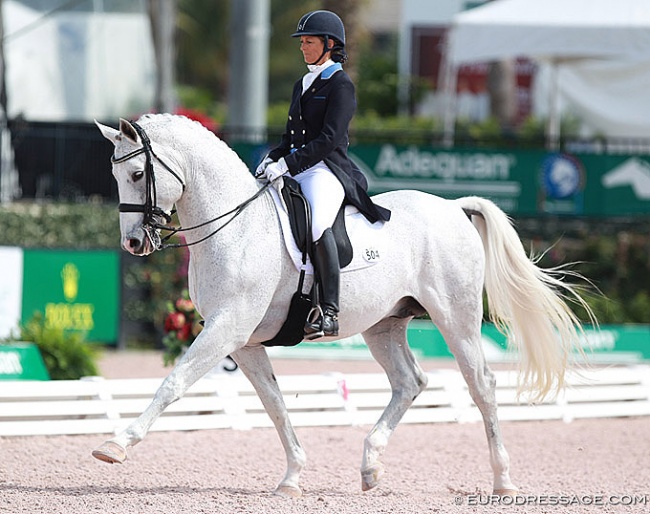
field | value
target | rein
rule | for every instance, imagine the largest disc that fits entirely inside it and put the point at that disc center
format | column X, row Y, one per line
column 151, row 210
column 236, row 211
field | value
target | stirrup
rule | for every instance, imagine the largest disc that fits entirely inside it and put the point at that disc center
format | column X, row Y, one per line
column 321, row 323
column 314, row 323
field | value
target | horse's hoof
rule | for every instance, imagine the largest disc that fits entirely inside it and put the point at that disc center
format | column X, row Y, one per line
column 370, row 477
column 288, row 491
column 506, row 492
column 110, row 452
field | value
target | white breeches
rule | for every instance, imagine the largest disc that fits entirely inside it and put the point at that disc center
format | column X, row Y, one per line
column 325, row 195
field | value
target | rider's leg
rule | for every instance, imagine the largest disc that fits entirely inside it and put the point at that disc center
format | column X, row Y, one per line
column 326, row 264
column 325, row 195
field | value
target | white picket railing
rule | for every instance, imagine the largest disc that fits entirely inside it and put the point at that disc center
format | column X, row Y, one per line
column 97, row 405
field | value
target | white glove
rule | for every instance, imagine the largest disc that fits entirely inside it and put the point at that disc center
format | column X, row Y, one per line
column 275, row 170
column 261, row 168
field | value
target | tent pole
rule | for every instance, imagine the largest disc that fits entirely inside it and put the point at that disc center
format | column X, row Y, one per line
column 450, row 76
column 9, row 185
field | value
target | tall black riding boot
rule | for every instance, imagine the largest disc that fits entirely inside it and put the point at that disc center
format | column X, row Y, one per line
column 325, row 258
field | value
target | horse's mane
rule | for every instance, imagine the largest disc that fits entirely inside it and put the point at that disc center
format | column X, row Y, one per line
column 171, row 126
column 164, row 120
column 180, row 132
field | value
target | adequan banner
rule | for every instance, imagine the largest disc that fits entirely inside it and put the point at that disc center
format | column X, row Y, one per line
column 521, row 182
column 451, row 173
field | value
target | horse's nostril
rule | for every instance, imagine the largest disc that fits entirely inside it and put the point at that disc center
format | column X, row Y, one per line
column 134, row 243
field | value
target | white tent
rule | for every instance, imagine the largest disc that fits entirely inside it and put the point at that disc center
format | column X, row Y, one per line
column 77, row 65
column 599, row 51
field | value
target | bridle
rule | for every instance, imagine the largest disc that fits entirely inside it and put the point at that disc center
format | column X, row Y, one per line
column 149, row 208
column 151, row 211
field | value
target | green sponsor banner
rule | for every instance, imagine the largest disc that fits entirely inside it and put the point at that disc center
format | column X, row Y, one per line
column 611, row 343
column 615, row 185
column 74, row 290
column 521, row 182
column 22, row 361
column 628, row 342
column 502, row 176
column 594, row 185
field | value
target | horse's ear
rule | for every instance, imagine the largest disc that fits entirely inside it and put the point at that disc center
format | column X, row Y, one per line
column 128, row 130
column 109, row 133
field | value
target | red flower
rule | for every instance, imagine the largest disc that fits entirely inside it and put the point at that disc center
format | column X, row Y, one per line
column 174, row 321
column 184, row 305
column 185, row 332
column 199, row 116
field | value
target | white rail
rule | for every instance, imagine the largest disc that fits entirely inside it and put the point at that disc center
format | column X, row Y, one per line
column 96, row 405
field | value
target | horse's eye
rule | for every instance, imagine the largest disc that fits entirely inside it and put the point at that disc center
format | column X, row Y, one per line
column 137, row 175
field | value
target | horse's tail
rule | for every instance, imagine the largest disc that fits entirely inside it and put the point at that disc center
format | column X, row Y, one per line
column 527, row 303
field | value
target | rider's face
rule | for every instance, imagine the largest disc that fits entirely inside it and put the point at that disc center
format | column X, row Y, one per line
column 312, row 48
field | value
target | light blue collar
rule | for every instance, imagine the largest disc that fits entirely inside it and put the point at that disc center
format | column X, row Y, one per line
column 331, row 70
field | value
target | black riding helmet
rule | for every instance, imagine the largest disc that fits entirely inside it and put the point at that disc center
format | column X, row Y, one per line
column 328, row 25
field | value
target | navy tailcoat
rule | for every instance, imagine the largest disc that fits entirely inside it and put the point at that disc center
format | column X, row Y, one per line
column 317, row 130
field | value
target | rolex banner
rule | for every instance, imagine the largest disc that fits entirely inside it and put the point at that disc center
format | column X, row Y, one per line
column 72, row 290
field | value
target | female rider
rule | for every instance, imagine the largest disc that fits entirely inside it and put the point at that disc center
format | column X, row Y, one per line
column 313, row 150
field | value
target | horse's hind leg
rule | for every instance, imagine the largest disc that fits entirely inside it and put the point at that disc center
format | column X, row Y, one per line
column 464, row 342
column 255, row 364
column 388, row 345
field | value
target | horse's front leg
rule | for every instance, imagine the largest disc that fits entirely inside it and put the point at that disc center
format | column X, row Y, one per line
column 204, row 353
column 254, row 362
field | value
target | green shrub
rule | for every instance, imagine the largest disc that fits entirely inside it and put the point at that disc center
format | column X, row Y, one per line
column 60, row 225
column 66, row 354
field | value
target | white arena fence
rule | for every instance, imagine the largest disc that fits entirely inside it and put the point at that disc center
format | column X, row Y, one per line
column 96, row 405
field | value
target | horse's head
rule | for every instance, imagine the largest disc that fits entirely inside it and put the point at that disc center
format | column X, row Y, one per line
column 147, row 186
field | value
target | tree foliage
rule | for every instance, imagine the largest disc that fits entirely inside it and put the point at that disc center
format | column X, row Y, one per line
column 203, row 47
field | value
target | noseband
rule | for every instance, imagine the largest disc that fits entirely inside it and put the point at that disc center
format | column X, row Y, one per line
column 152, row 212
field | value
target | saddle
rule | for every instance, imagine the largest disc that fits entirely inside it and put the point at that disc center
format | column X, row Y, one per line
column 300, row 221
column 292, row 331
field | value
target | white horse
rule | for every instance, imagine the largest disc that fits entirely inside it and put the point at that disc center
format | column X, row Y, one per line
column 441, row 254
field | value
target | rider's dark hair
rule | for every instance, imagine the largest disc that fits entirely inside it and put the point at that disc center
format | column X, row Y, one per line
column 338, row 52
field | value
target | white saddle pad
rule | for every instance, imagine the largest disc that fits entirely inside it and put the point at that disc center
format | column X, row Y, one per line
column 368, row 239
